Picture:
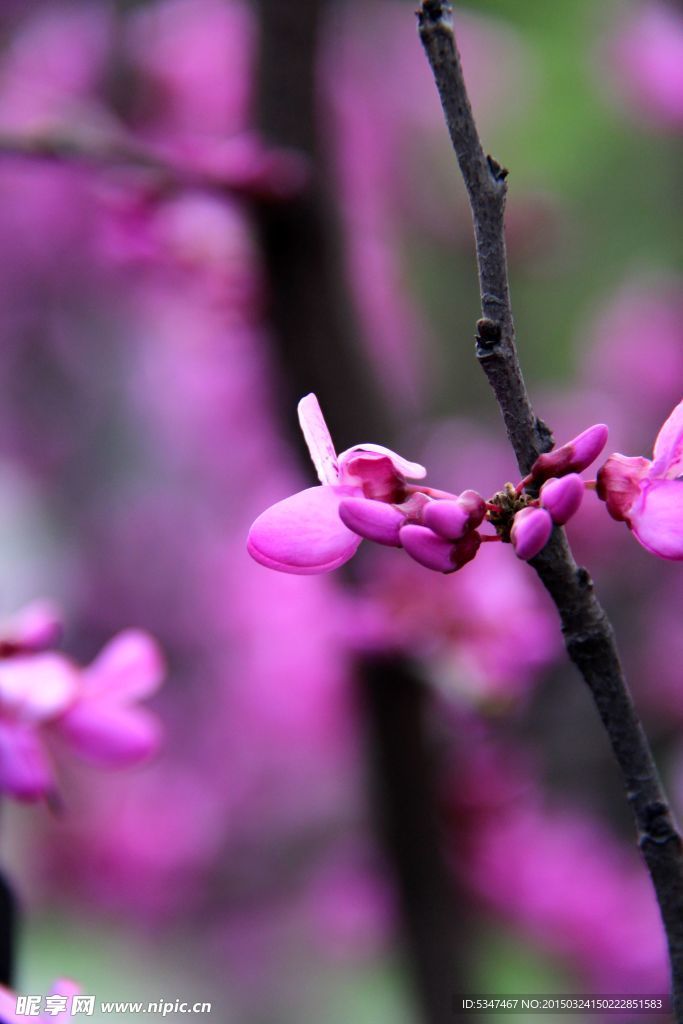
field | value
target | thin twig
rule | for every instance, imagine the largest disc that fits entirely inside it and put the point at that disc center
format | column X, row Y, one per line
column 166, row 170
column 587, row 631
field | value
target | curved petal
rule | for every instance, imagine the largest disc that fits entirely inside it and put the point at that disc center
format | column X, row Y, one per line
column 657, row 521
column 318, row 440
column 36, row 627
column 304, row 534
column 35, row 687
column 107, row 734
column 668, row 450
column 25, row 770
column 129, row 667
column 410, row 470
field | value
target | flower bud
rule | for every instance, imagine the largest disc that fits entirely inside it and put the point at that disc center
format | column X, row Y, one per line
column 474, row 505
column 448, row 519
column 374, row 520
column 572, row 457
column 452, row 519
column 425, row 547
column 435, row 552
column 562, row 497
column 531, row 529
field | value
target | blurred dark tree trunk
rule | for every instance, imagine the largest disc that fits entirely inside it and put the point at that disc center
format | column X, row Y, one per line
column 8, row 929
column 311, row 314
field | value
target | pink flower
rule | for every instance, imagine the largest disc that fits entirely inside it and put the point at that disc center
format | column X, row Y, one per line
column 55, row 1010
column 648, row 494
column 647, row 54
column 104, row 724
column 305, row 534
column 44, row 694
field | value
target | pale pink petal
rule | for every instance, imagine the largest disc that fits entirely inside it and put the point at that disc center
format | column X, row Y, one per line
column 304, row 534
column 8, row 1007
column 36, row 687
column 668, row 450
column 129, row 667
column 25, row 770
column 317, row 437
column 36, row 627
column 107, row 734
column 657, row 519
column 63, row 987
column 410, row 470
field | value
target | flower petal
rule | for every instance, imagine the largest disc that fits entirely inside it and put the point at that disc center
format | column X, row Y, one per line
column 25, row 770
column 657, row 520
column 108, row 734
column 304, row 534
column 36, row 627
column 668, row 450
column 35, row 687
column 129, row 667
column 410, row 470
column 318, row 440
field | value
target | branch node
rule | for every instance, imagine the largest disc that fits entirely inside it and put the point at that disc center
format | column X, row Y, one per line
column 435, row 12
column 497, row 170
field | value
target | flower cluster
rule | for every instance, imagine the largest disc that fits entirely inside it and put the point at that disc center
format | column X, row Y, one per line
column 365, row 493
column 46, row 698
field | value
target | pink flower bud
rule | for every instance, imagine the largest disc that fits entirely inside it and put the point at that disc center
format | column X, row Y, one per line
column 434, row 552
column 572, row 457
column 531, row 529
column 453, row 519
column 425, row 547
column 448, row 519
column 562, row 497
column 474, row 505
column 374, row 520
column 464, row 550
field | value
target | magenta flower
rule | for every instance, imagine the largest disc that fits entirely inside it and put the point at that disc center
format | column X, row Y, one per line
column 45, row 695
column 648, row 494
column 104, row 724
column 305, row 533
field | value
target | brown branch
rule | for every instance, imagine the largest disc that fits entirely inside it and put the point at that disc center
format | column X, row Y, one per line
column 122, row 151
column 587, row 632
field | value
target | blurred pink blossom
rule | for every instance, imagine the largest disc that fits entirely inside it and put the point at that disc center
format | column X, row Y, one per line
column 646, row 52
column 44, row 695
column 555, row 874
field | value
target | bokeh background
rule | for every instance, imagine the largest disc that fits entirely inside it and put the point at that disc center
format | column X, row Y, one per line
column 380, row 788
